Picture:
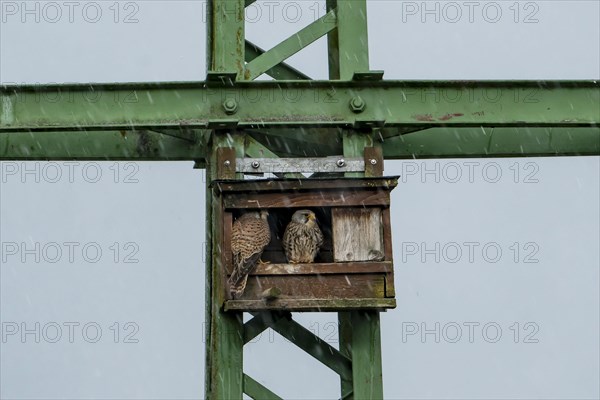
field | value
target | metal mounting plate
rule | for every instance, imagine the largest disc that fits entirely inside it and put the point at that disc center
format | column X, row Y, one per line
column 308, row 165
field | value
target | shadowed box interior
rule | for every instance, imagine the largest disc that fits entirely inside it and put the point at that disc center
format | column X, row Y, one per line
column 353, row 269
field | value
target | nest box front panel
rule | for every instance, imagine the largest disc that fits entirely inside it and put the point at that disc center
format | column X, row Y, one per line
column 353, row 268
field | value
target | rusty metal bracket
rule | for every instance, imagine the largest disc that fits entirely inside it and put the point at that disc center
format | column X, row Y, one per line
column 373, row 161
column 226, row 162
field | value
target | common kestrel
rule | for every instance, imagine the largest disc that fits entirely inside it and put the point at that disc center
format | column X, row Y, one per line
column 250, row 235
column 302, row 237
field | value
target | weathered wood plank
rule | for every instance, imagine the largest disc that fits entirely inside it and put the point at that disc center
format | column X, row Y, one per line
column 271, row 293
column 357, row 234
column 227, row 255
column 325, row 198
column 390, row 290
column 279, row 185
column 310, row 305
column 324, row 268
column 387, row 234
column 356, row 286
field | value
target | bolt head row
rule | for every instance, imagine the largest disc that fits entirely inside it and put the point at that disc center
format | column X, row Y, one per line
column 357, row 105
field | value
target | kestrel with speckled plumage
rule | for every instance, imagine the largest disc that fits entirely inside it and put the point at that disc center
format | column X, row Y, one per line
column 250, row 235
column 302, row 238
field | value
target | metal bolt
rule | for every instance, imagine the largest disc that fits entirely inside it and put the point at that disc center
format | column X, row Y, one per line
column 341, row 162
column 357, row 104
column 227, row 163
column 373, row 161
column 255, row 164
column 230, row 106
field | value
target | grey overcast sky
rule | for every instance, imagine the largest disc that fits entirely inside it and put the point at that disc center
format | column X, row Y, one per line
column 497, row 270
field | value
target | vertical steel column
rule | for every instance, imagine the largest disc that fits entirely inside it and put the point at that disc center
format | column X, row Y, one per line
column 359, row 334
column 348, row 45
column 225, row 36
column 366, row 355
column 224, row 331
column 359, row 330
column 333, row 54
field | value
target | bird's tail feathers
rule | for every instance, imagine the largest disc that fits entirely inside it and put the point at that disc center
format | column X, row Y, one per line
column 237, row 284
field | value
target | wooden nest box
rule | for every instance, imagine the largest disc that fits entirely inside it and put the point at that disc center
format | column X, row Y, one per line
column 354, row 268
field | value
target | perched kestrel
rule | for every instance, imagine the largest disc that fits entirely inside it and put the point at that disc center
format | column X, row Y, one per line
column 302, row 237
column 249, row 237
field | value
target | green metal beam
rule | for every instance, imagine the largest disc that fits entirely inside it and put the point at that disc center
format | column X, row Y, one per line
column 359, row 334
column 494, row 142
column 290, row 46
column 281, row 71
column 255, row 327
column 353, row 44
column 225, row 36
column 301, row 145
column 313, row 345
column 98, row 145
column 345, row 341
column 308, row 142
column 283, row 324
column 354, row 144
column 333, row 53
column 224, row 331
column 225, row 54
column 427, row 143
column 270, row 104
column 257, row 391
column 367, row 374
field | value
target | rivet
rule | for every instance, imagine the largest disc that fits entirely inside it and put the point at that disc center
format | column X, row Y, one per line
column 227, row 163
column 373, row 161
column 255, row 164
column 341, row 162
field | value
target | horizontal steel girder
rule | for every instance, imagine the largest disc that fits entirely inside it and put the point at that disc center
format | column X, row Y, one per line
column 98, row 145
column 427, row 143
column 494, row 142
column 274, row 104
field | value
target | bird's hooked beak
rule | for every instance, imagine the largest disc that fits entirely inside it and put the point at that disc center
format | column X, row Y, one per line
column 312, row 219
